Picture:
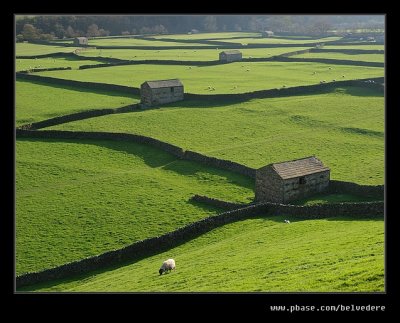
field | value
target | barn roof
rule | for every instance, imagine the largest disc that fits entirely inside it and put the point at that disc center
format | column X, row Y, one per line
column 81, row 38
column 163, row 83
column 299, row 167
column 231, row 52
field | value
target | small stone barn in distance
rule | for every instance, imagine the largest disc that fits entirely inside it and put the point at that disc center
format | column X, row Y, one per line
column 267, row 33
column 230, row 56
column 291, row 180
column 160, row 92
column 79, row 41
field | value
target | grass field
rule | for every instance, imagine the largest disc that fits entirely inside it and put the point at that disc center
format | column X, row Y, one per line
column 26, row 64
column 368, row 47
column 36, row 102
column 247, row 77
column 79, row 199
column 183, row 55
column 344, row 128
column 136, row 42
column 27, row 49
column 353, row 57
column 284, row 40
column 257, row 255
column 208, row 36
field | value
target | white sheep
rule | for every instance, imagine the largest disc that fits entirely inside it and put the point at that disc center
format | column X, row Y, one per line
column 167, row 265
column 287, row 221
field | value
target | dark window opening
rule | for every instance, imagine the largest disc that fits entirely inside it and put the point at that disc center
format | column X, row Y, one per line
column 302, row 180
column 172, row 90
column 322, row 176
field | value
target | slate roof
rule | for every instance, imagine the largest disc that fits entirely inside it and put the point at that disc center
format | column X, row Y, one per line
column 299, row 167
column 231, row 52
column 163, row 83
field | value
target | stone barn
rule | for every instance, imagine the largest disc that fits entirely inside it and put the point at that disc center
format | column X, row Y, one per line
column 267, row 33
column 230, row 56
column 80, row 41
column 291, row 180
column 159, row 92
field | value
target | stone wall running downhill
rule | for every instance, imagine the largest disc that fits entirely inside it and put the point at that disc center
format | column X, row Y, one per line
column 140, row 249
column 25, row 132
column 152, row 246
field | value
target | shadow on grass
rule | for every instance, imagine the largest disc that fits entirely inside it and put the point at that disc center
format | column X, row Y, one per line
column 156, row 158
column 80, row 89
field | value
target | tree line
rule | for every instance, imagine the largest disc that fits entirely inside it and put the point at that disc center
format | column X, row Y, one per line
column 58, row 27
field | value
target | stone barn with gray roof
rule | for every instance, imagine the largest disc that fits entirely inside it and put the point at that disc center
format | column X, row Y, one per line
column 230, row 56
column 160, row 92
column 79, row 41
column 291, row 180
column 267, row 33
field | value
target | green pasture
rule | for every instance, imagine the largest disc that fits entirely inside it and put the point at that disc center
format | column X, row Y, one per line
column 27, row 49
column 49, row 62
column 238, row 77
column 278, row 40
column 345, row 128
column 76, row 199
column 353, row 57
column 257, row 255
column 182, row 54
column 37, row 102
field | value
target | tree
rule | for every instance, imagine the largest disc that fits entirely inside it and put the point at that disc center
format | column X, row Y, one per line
column 319, row 28
column 30, row 32
column 69, row 32
column 210, row 23
column 93, row 31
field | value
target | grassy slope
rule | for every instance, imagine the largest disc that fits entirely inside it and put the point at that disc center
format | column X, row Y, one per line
column 183, row 55
column 246, row 77
column 207, row 36
column 344, row 128
column 26, row 49
column 25, row 64
column 277, row 40
column 369, row 46
column 36, row 102
column 78, row 199
column 353, row 57
column 136, row 42
column 337, row 255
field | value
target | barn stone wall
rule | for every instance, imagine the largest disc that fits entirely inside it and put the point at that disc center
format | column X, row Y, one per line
column 150, row 97
column 314, row 183
column 230, row 57
column 269, row 186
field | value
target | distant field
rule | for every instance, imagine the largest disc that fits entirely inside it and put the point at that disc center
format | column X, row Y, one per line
column 27, row 49
column 237, row 77
column 134, row 42
column 79, row 199
column 353, row 57
column 257, row 255
column 208, row 36
column 278, row 40
column 36, row 102
column 370, row 46
column 183, row 55
column 25, row 64
column 344, row 128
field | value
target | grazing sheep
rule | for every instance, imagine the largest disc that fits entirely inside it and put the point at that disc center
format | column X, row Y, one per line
column 167, row 265
column 287, row 221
